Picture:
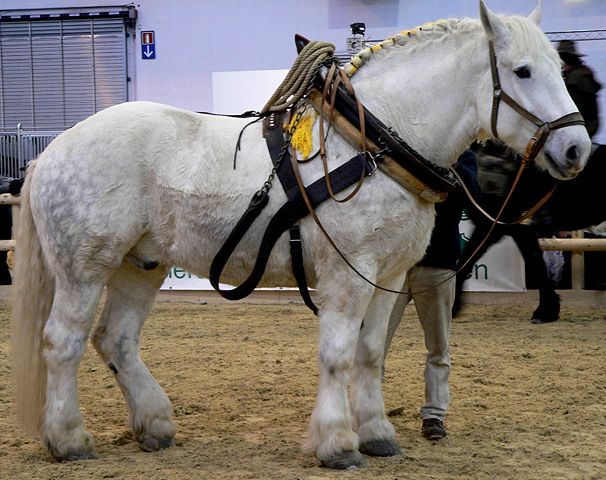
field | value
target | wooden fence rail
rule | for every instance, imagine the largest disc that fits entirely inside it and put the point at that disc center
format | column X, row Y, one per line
column 573, row 244
column 8, row 199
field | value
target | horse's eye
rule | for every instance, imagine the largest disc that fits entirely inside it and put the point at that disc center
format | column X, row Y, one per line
column 522, row 72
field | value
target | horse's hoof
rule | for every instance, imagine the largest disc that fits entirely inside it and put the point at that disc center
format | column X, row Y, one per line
column 82, row 447
column 345, row 460
column 541, row 321
column 380, row 448
column 73, row 457
column 153, row 444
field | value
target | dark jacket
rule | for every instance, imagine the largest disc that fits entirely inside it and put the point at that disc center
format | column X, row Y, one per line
column 583, row 89
column 445, row 246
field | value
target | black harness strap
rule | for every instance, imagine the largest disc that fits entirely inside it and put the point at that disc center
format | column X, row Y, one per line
column 274, row 138
column 298, row 268
column 294, row 209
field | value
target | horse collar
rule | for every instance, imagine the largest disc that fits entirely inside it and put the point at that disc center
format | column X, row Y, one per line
column 393, row 155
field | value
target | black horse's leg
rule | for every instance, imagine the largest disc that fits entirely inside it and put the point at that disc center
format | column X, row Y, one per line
column 5, row 234
column 549, row 301
column 476, row 247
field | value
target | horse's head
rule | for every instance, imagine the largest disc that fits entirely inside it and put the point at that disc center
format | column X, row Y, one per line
column 524, row 96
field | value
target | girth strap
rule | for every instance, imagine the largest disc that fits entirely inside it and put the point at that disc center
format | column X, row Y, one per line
column 293, row 210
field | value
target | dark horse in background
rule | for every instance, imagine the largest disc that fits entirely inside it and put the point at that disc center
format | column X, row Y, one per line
column 576, row 204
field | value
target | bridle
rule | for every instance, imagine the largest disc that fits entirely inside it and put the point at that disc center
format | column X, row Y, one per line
column 544, row 128
column 535, row 143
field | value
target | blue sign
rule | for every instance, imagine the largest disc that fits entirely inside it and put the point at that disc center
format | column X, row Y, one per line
column 148, row 52
column 148, row 45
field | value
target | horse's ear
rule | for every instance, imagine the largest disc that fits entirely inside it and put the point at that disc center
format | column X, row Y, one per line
column 495, row 28
column 300, row 42
column 535, row 16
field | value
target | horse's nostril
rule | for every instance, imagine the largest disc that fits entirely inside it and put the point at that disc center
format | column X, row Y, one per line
column 572, row 153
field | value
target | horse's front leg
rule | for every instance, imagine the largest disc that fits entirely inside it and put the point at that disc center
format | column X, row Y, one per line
column 376, row 434
column 331, row 437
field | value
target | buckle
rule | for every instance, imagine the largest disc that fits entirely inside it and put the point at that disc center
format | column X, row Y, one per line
column 371, row 160
column 295, row 234
column 371, row 164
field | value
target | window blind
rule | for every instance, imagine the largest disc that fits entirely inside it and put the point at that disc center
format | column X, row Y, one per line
column 55, row 72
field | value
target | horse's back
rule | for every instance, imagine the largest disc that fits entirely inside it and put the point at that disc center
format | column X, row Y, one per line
column 100, row 185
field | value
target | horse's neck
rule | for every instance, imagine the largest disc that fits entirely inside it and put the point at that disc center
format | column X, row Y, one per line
column 427, row 95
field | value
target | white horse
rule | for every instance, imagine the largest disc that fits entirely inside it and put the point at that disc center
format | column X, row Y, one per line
column 155, row 183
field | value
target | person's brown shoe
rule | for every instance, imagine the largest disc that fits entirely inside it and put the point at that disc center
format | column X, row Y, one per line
column 433, row 429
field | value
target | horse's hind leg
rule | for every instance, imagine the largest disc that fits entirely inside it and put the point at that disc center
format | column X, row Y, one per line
column 65, row 336
column 376, row 434
column 130, row 296
column 549, row 301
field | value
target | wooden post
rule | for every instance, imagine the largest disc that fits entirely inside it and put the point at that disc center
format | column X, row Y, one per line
column 577, row 265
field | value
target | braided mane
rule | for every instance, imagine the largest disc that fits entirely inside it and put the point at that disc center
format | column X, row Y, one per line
column 431, row 30
column 524, row 39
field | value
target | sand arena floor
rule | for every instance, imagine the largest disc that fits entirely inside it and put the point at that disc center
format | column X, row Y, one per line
column 528, row 402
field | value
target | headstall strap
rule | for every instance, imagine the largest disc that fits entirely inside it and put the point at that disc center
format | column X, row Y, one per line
column 535, row 144
column 543, row 128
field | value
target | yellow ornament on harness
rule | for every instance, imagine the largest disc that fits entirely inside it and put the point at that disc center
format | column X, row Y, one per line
column 301, row 139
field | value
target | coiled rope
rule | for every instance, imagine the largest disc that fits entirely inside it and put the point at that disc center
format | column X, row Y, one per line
column 300, row 76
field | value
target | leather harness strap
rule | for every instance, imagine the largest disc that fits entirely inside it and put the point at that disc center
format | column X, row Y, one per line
column 274, row 139
column 383, row 160
column 543, row 128
column 333, row 79
column 533, row 148
column 524, row 216
column 437, row 178
column 289, row 213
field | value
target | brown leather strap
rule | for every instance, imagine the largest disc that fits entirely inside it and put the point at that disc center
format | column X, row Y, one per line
column 527, row 214
column 334, row 76
column 544, row 128
column 383, row 160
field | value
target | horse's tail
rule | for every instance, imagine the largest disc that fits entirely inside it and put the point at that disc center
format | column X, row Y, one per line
column 33, row 292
